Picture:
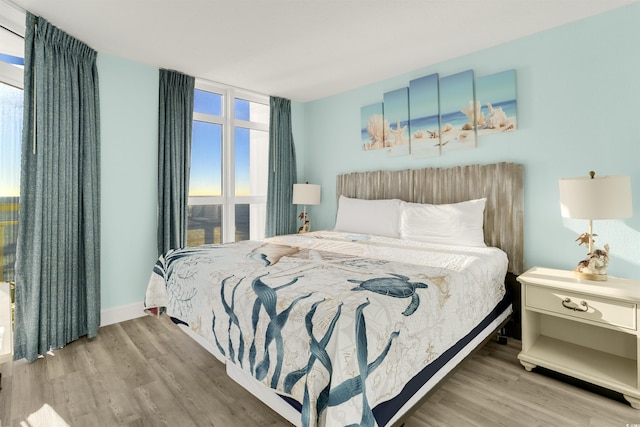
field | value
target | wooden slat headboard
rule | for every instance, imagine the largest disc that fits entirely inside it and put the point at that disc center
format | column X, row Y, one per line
column 501, row 183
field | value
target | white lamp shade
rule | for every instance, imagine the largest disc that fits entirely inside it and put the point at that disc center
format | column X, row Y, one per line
column 601, row 197
column 306, row 194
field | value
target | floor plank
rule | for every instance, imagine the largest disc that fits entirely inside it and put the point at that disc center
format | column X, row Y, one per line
column 145, row 372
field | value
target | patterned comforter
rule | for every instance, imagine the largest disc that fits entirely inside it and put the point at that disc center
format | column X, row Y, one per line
column 339, row 322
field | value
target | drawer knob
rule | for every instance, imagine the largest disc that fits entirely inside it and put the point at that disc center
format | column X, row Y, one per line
column 567, row 303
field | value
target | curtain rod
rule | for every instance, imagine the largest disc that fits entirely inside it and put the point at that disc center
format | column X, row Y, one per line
column 15, row 6
column 11, row 31
column 16, row 27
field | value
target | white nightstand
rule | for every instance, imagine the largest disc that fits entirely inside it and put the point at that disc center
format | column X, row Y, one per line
column 585, row 329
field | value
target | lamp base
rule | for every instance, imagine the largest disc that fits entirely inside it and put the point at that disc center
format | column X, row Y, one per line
column 594, row 267
column 306, row 223
column 306, row 227
column 590, row 276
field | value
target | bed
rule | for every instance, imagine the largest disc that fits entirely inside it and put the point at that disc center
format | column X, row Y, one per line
column 353, row 326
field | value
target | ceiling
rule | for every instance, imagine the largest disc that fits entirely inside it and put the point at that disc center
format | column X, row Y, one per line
column 303, row 49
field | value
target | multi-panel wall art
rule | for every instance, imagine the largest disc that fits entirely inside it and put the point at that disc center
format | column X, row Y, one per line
column 373, row 127
column 496, row 94
column 396, row 113
column 457, row 112
column 435, row 115
column 424, row 126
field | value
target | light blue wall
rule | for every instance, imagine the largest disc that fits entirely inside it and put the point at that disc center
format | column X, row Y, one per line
column 577, row 111
column 577, row 91
column 297, row 128
column 129, row 138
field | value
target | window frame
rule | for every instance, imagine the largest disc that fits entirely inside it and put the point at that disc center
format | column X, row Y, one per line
column 13, row 76
column 228, row 200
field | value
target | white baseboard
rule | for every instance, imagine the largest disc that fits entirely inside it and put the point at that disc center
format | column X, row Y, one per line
column 110, row 316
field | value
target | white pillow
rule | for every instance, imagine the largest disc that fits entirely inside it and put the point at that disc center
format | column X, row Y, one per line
column 451, row 224
column 377, row 217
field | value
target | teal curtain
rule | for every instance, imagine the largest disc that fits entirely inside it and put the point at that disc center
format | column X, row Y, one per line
column 281, row 213
column 174, row 157
column 58, row 249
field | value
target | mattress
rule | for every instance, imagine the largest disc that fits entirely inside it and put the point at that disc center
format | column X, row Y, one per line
column 346, row 327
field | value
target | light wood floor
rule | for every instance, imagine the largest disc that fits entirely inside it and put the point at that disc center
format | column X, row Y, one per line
column 145, row 372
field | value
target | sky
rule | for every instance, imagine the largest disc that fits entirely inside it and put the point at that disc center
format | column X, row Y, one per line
column 396, row 106
column 206, row 160
column 206, row 150
column 456, row 91
column 423, row 99
column 497, row 87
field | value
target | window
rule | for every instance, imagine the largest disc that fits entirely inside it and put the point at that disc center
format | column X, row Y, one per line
column 11, row 106
column 229, row 160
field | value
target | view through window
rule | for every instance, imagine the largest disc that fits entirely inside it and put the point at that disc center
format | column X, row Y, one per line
column 11, row 105
column 229, row 164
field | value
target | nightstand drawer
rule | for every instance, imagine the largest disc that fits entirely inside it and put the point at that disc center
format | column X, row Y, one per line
column 585, row 307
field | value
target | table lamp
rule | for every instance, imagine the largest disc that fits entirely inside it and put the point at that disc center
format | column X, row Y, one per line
column 595, row 197
column 305, row 194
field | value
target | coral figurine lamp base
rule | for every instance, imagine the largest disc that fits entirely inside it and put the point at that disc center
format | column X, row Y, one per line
column 591, row 197
column 590, row 276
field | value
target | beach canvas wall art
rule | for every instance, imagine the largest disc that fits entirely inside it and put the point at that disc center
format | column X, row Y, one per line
column 396, row 113
column 373, row 127
column 457, row 112
column 496, row 94
column 424, row 109
column 434, row 115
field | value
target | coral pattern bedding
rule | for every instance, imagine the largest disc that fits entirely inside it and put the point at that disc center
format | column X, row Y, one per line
column 339, row 322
